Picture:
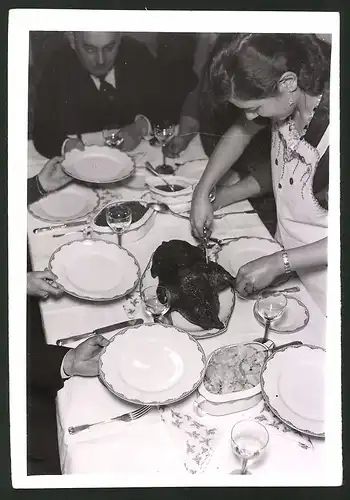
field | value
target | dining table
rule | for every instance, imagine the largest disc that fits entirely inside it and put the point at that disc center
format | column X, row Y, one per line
column 173, row 439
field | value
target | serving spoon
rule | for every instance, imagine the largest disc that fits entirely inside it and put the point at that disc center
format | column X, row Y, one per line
column 154, row 172
column 163, row 208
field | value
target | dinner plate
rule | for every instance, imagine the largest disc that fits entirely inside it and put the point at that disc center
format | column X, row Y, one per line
column 98, row 164
column 226, row 299
column 292, row 384
column 70, row 203
column 294, row 318
column 152, row 364
column 94, row 269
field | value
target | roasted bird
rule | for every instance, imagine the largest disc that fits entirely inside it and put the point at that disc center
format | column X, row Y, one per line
column 193, row 284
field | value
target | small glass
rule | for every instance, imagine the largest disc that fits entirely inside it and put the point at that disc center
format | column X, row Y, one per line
column 156, row 300
column 270, row 308
column 163, row 133
column 119, row 218
column 249, row 439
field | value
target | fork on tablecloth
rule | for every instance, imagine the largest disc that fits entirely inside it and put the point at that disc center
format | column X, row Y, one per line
column 126, row 417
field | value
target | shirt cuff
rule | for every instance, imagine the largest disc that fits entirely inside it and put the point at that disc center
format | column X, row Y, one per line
column 64, row 376
column 148, row 134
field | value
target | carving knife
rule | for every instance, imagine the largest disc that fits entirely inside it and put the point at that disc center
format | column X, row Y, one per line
column 104, row 329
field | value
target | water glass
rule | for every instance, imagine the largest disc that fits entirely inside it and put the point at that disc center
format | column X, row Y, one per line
column 249, row 439
column 156, row 300
column 163, row 133
column 119, row 218
column 272, row 306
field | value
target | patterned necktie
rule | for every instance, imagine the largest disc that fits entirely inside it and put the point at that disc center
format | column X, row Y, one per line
column 107, row 89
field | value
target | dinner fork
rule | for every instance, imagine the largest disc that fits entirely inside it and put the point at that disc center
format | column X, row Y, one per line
column 126, row 417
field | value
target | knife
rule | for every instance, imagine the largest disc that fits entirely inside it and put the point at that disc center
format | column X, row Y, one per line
column 59, row 226
column 104, row 329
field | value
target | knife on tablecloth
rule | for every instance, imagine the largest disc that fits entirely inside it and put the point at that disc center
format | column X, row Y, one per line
column 104, row 329
column 76, row 223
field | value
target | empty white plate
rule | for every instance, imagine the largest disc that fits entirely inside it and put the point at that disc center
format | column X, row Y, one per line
column 70, row 203
column 292, row 383
column 294, row 318
column 98, row 165
column 94, row 269
column 152, row 364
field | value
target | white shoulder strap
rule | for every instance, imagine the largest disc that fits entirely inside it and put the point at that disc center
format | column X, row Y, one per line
column 324, row 143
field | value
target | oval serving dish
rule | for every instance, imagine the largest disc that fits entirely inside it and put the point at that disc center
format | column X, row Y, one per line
column 135, row 231
column 223, row 404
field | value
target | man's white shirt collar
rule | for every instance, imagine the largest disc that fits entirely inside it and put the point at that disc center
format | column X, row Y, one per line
column 110, row 78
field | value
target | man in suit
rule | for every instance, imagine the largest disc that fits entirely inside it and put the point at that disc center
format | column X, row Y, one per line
column 96, row 84
column 48, row 365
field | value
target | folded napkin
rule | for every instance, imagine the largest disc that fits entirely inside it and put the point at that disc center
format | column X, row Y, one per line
column 195, row 441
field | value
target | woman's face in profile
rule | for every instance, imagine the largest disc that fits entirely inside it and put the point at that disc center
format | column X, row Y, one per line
column 277, row 107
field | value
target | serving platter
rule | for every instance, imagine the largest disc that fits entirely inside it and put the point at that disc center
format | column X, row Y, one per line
column 152, row 364
column 292, row 385
column 226, row 299
column 73, row 202
column 98, row 165
column 95, row 269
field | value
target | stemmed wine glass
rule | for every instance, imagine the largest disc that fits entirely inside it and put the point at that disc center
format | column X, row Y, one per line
column 270, row 308
column 163, row 133
column 119, row 218
column 249, row 439
column 156, row 300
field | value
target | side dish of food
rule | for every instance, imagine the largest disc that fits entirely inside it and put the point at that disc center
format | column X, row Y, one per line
column 234, row 369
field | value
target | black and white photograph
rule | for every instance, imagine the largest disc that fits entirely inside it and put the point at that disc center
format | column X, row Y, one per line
column 179, row 179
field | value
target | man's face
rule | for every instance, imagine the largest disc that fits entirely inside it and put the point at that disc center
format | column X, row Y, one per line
column 97, row 50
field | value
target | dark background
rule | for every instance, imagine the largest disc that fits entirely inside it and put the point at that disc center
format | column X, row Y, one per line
column 6, row 491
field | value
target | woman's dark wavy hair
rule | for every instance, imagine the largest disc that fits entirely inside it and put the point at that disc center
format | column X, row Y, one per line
column 249, row 66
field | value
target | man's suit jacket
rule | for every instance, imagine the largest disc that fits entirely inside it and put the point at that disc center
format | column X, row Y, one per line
column 68, row 101
column 43, row 381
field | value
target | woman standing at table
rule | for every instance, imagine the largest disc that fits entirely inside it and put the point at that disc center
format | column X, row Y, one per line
column 283, row 78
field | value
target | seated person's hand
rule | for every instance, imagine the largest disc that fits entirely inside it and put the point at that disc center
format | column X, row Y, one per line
column 40, row 284
column 131, row 135
column 83, row 360
column 73, row 143
column 258, row 274
column 52, row 176
column 176, row 145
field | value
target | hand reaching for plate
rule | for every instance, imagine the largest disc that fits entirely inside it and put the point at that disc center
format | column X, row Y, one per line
column 39, row 284
column 83, row 360
column 52, row 176
column 131, row 135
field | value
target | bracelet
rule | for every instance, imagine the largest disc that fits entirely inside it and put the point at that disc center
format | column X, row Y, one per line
column 286, row 263
column 40, row 188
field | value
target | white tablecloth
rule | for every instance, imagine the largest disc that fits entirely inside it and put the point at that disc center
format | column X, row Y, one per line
column 160, row 442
